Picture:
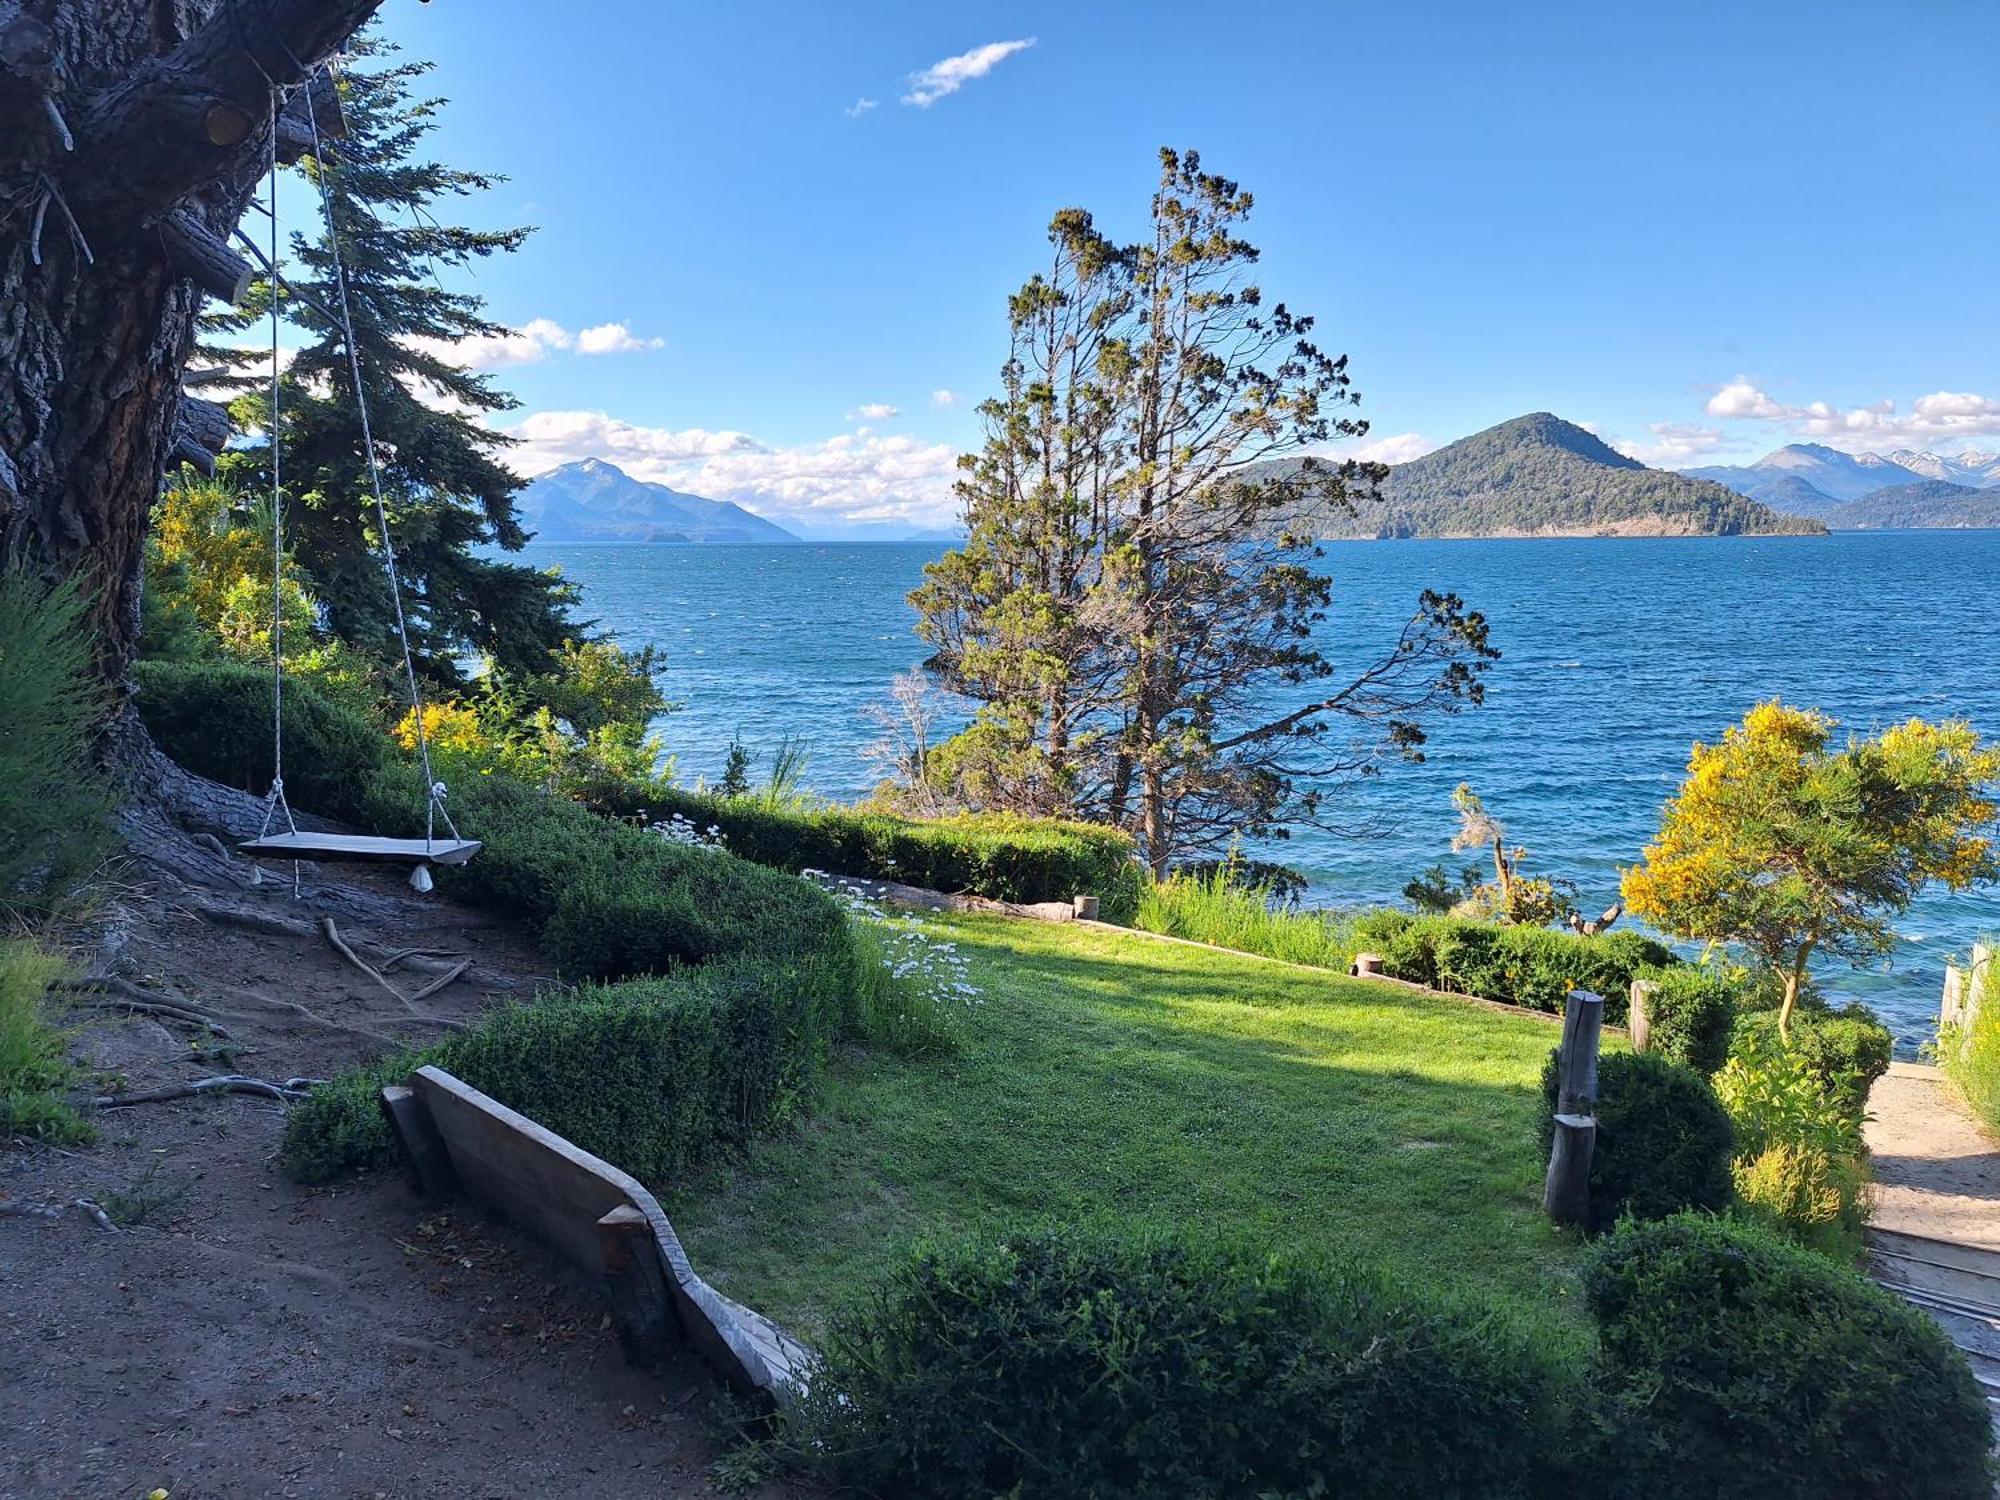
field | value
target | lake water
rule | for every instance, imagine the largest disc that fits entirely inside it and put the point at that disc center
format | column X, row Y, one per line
column 1616, row 655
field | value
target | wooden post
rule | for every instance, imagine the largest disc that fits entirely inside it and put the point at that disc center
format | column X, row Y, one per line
column 1566, row 1189
column 1639, row 1014
column 424, row 1149
column 635, row 1278
column 1951, row 1010
column 1086, row 908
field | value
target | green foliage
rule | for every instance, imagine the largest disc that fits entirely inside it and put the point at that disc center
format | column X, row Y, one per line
column 1664, row 1143
column 1003, row 857
column 450, row 494
column 1538, row 474
column 54, row 804
column 214, row 717
column 34, row 1067
column 1691, row 1012
column 1845, row 1050
column 1217, row 907
column 1798, row 1126
column 1059, row 1364
column 1529, row 966
column 1970, row 1055
column 1742, row 1368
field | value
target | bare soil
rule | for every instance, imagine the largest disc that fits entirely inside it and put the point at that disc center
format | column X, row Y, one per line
column 1937, row 1173
column 242, row 1336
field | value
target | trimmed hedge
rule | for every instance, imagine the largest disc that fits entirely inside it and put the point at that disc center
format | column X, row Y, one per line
column 1664, row 1142
column 1535, row 967
column 1069, row 1363
column 215, row 719
column 1691, row 1014
column 1845, row 1049
column 1001, row 857
column 1744, row 1368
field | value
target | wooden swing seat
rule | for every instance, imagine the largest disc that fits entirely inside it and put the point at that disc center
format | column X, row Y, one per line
column 361, row 848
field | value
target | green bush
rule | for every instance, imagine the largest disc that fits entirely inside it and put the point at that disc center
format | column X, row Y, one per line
column 1000, row 857
column 645, row 1074
column 214, row 717
column 1216, row 906
column 1846, row 1049
column 1535, row 967
column 1066, row 1363
column 34, row 1067
column 1970, row 1055
column 54, row 804
column 1663, row 1144
column 1801, row 1164
column 1691, row 1013
column 1744, row 1368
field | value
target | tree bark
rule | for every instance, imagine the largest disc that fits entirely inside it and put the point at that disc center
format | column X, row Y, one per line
column 169, row 103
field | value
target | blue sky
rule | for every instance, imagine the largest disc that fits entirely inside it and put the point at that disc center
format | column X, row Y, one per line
column 1701, row 229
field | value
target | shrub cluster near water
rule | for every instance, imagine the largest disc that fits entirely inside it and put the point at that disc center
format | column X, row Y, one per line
column 1062, row 1364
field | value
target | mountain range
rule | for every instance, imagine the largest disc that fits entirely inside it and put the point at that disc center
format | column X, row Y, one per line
column 1931, row 503
column 1809, row 479
column 593, row 501
column 1538, row 475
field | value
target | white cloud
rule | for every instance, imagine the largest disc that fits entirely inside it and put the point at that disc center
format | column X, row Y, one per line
column 949, row 75
column 851, row 476
column 1940, row 417
column 873, row 411
column 613, row 338
column 529, row 344
column 943, row 397
column 1674, row 443
column 1397, row 449
column 859, row 107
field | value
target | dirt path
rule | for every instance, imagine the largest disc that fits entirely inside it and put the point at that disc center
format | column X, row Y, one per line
column 242, row 1336
column 1937, row 1173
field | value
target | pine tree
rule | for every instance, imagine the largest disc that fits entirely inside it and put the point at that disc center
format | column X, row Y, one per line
column 449, row 495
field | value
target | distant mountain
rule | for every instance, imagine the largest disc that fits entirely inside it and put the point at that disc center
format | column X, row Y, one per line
column 1972, row 467
column 1933, row 503
column 593, row 501
column 1839, row 476
column 1791, row 494
column 1541, row 476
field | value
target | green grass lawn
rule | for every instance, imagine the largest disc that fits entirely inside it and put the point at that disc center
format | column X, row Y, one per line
column 1111, row 1076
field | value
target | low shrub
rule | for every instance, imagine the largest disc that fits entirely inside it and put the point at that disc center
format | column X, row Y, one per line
column 1806, row 1194
column 214, row 718
column 1744, row 1368
column 1801, row 1164
column 1066, row 1363
column 1001, row 857
column 34, row 1068
column 55, row 805
column 1664, row 1143
column 1216, row 906
column 1970, row 1055
column 1690, row 1013
column 646, row 1073
column 1846, row 1049
column 1535, row 967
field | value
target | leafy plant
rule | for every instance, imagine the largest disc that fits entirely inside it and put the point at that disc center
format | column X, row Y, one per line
column 1691, row 1012
column 1843, row 1050
column 1664, row 1143
column 1970, row 1055
column 1740, row 1367
column 1801, row 1154
column 54, row 803
column 34, row 1067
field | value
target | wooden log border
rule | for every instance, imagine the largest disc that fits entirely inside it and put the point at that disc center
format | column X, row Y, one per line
column 601, row 1220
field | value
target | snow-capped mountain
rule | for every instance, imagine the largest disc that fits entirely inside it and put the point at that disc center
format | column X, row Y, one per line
column 1974, row 467
column 1840, row 477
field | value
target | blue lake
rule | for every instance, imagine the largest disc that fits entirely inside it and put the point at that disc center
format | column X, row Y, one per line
column 1616, row 655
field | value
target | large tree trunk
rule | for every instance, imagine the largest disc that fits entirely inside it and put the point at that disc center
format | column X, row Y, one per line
column 169, row 104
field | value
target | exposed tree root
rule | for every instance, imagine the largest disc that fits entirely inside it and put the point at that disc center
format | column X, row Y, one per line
column 380, row 1038
column 331, row 932
column 24, row 1209
column 252, row 920
column 450, row 977
column 290, row 1091
column 122, row 995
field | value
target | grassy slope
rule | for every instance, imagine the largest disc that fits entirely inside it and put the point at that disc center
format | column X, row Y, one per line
column 1111, row 1075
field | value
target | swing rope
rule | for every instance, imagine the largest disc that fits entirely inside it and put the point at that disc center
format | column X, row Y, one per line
column 435, row 791
column 276, row 802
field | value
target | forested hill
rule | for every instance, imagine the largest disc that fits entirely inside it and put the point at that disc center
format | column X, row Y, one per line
column 1541, row 476
column 1935, row 503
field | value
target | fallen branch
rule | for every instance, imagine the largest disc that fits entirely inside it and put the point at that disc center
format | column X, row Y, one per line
column 418, row 958
column 290, row 1091
column 26, row 1210
column 123, row 995
column 331, row 933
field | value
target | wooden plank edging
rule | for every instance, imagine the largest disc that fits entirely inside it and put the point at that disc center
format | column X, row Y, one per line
column 564, row 1195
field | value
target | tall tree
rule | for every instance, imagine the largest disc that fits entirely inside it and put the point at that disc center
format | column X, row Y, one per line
column 448, row 494
column 1135, row 607
column 131, row 136
column 1789, row 847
